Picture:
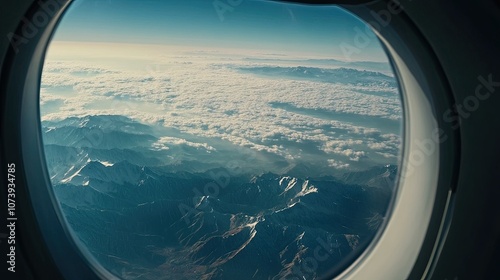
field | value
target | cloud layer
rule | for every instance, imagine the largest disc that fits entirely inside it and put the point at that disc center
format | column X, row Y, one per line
column 349, row 124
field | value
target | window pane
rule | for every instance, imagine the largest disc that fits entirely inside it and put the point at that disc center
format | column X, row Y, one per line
column 220, row 140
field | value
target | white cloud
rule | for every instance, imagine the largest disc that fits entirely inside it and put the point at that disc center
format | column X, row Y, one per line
column 164, row 142
column 211, row 100
column 338, row 164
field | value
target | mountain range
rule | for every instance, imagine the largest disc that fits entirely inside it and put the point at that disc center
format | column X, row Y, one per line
column 143, row 216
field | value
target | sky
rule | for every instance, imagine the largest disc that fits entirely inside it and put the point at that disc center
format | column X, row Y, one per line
column 265, row 76
column 247, row 24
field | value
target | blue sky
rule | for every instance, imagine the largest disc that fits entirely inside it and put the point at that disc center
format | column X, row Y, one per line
column 173, row 63
column 252, row 24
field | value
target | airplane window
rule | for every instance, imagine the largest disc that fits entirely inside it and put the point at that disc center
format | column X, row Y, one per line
column 220, row 139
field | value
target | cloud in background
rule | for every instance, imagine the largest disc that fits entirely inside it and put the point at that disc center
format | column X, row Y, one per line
column 350, row 124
